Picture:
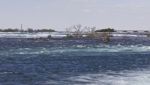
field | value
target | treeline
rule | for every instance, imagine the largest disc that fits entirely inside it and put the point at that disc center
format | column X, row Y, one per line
column 79, row 29
column 106, row 30
column 26, row 30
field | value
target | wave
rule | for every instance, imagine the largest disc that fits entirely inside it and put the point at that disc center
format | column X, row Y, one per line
column 80, row 49
column 113, row 78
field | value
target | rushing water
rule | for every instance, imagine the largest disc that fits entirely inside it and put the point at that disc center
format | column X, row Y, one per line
column 74, row 62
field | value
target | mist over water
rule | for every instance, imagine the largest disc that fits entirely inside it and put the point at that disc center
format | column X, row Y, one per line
column 124, row 61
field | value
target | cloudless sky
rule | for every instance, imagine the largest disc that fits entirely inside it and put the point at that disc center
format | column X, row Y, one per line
column 59, row 14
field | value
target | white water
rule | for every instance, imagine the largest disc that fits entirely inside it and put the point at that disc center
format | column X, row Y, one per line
column 124, row 78
column 53, row 34
column 79, row 48
column 23, row 35
column 30, row 35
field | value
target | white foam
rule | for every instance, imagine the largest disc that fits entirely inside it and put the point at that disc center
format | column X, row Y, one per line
column 24, row 35
column 80, row 49
column 124, row 78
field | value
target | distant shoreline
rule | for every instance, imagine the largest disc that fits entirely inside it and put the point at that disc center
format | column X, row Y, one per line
column 64, row 35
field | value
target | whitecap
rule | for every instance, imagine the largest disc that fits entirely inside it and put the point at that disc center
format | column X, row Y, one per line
column 123, row 78
column 80, row 49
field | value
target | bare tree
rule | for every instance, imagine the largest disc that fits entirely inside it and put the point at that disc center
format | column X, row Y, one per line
column 106, row 37
column 69, row 32
column 77, row 30
column 90, row 31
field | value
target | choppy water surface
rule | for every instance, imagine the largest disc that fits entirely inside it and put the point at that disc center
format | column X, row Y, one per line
column 74, row 62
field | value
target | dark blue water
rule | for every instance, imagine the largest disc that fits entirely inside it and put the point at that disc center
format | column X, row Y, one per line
column 74, row 62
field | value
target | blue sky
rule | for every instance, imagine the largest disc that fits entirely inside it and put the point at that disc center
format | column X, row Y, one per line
column 59, row 14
